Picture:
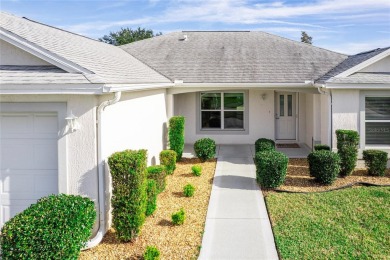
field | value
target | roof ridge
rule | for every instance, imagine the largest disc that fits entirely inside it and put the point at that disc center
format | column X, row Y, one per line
column 373, row 50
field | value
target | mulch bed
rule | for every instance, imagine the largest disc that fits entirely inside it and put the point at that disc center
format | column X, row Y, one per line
column 299, row 180
column 174, row 242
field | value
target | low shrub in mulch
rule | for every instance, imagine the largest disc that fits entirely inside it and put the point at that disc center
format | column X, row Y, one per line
column 324, row 166
column 271, row 168
column 264, row 144
column 188, row 190
column 205, row 149
column 376, row 162
column 178, row 217
column 196, row 170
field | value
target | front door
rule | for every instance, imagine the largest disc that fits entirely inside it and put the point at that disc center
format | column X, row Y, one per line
column 285, row 116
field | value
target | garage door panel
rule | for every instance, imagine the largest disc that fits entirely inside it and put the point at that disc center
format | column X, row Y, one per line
column 28, row 160
column 15, row 124
column 45, row 124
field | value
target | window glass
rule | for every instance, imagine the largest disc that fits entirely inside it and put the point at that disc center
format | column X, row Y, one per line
column 377, row 108
column 211, row 119
column 281, row 104
column 377, row 132
column 211, row 101
column 233, row 101
column 234, row 119
column 289, row 105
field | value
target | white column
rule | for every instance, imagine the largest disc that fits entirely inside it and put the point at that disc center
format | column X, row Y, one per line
column 170, row 105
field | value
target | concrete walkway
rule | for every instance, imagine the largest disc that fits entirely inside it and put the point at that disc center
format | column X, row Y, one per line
column 237, row 224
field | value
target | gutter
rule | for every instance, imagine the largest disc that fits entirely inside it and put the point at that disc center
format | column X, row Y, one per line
column 248, row 85
column 100, row 166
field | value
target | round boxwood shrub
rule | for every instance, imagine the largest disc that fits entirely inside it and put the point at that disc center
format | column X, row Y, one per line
column 264, row 144
column 324, row 166
column 151, row 191
column 157, row 173
column 178, row 217
column 129, row 198
column 320, row 147
column 347, row 149
column 188, row 190
column 56, row 227
column 168, row 159
column 196, row 170
column 151, row 253
column 205, row 149
column 376, row 162
column 271, row 168
column 176, row 135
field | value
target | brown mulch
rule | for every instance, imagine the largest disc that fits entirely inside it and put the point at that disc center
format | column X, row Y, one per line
column 299, row 180
column 174, row 242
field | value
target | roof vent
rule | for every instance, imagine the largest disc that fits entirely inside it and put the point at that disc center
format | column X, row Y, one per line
column 183, row 38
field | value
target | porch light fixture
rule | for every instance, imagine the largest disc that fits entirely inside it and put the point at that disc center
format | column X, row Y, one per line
column 263, row 96
column 72, row 122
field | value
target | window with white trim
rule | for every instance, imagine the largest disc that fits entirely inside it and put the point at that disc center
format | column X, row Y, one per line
column 222, row 110
column 377, row 120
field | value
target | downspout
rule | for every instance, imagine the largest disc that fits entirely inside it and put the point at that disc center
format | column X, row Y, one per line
column 100, row 165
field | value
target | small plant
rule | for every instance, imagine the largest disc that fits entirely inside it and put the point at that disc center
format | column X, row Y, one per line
column 271, row 168
column 320, row 147
column 168, row 159
column 196, row 170
column 324, row 166
column 178, row 217
column 157, row 173
column 264, row 144
column 152, row 197
column 129, row 198
column 347, row 149
column 376, row 162
column 176, row 135
column 205, row 149
column 188, row 190
column 56, row 227
column 152, row 253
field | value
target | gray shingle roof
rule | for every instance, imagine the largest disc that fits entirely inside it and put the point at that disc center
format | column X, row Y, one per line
column 233, row 57
column 39, row 75
column 110, row 63
column 364, row 77
column 350, row 62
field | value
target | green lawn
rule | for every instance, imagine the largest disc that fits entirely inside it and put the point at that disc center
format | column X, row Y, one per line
column 352, row 223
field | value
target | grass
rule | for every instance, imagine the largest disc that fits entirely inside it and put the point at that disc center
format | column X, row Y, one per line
column 352, row 223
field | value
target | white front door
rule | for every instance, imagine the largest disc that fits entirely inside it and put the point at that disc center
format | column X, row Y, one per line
column 285, row 116
column 28, row 160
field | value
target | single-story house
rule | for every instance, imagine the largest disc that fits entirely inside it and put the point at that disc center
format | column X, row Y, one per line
column 67, row 102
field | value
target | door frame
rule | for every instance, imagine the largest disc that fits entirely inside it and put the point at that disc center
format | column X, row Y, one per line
column 296, row 117
column 60, row 109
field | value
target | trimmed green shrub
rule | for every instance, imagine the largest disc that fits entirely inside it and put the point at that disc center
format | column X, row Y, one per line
column 178, row 217
column 264, row 144
column 188, row 190
column 205, row 149
column 271, row 168
column 157, row 173
column 347, row 149
column 168, row 159
column 196, row 170
column 176, row 135
column 152, row 253
column 324, row 166
column 56, row 227
column 320, row 147
column 376, row 162
column 129, row 198
column 151, row 191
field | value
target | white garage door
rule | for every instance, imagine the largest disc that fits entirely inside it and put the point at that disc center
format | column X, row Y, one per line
column 28, row 160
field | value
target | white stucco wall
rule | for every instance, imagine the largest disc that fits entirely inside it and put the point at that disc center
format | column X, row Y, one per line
column 345, row 111
column 11, row 55
column 80, row 145
column 324, row 113
column 137, row 121
column 261, row 118
column 380, row 66
column 302, row 118
column 309, row 134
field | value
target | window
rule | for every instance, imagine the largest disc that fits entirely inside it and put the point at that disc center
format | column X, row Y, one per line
column 377, row 120
column 222, row 110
